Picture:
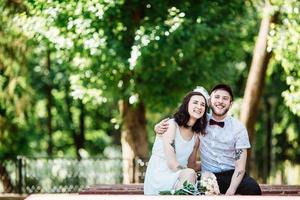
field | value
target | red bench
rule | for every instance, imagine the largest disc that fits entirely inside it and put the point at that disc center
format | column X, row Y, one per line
column 278, row 190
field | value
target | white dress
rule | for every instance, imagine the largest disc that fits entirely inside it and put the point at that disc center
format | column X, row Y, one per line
column 158, row 175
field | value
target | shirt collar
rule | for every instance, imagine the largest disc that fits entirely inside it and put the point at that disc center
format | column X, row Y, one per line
column 211, row 117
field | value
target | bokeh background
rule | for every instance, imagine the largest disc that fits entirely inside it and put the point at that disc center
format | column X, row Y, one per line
column 82, row 84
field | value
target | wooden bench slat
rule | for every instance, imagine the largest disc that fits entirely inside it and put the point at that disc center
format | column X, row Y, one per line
column 293, row 190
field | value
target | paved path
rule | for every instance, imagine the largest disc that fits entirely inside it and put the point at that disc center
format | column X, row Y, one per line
column 143, row 197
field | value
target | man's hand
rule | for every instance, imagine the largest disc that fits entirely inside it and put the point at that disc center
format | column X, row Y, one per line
column 192, row 161
column 162, row 126
column 197, row 142
column 230, row 192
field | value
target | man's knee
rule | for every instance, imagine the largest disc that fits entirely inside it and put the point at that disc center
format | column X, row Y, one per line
column 256, row 189
column 252, row 189
column 249, row 186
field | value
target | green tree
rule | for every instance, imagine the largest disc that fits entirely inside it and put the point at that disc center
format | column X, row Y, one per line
column 257, row 74
column 143, row 54
column 14, row 93
column 276, row 130
column 278, row 35
column 284, row 38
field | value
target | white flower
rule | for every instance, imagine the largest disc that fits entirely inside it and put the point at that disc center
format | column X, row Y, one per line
column 209, row 184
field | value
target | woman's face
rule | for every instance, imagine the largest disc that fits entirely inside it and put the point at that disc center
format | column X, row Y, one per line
column 196, row 106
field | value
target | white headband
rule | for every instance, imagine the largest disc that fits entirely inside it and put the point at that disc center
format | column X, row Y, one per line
column 203, row 91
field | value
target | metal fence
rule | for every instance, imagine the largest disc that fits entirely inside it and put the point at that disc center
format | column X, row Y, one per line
column 64, row 175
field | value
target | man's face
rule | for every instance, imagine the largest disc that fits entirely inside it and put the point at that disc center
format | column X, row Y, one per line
column 220, row 102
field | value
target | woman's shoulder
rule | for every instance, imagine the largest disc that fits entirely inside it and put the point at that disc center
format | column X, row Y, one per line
column 172, row 127
column 172, row 122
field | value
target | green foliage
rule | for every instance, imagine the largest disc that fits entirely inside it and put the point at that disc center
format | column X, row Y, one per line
column 284, row 41
column 96, row 141
column 94, row 53
column 100, row 52
column 14, row 93
column 119, row 53
column 188, row 189
column 277, row 138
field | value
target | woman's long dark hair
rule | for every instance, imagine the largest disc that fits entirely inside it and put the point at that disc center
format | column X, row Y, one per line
column 182, row 115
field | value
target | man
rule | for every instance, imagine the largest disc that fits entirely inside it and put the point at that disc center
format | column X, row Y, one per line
column 223, row 149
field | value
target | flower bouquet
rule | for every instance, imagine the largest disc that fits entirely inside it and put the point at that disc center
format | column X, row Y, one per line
column 188, row 189
column 206, row 184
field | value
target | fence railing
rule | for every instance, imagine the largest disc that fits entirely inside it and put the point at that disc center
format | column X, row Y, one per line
column 65, row 175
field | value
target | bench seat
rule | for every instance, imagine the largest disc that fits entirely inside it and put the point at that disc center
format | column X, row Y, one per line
column 137, row 189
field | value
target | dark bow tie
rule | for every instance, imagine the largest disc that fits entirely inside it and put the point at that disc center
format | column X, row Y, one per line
column 213, row 122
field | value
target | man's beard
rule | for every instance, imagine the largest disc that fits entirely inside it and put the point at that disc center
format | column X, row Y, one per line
column 220, row 115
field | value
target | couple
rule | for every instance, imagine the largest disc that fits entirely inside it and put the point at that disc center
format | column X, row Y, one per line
column 223, row 146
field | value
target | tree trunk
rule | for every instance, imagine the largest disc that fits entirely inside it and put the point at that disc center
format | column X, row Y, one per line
column 269, row 123
column 256, row 78
column 78, row 138
column 49, row 104
column 133, row 139
column 133, row 134
column 5, row 179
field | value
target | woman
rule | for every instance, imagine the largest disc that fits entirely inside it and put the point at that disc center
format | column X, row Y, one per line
column 167, row 167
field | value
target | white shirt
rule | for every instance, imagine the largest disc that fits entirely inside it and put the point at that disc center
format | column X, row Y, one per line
column 218, row 146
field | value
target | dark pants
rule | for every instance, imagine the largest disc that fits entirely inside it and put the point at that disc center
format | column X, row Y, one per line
column 248, row 185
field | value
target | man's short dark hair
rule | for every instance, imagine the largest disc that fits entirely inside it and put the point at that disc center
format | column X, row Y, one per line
column 223, row 87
